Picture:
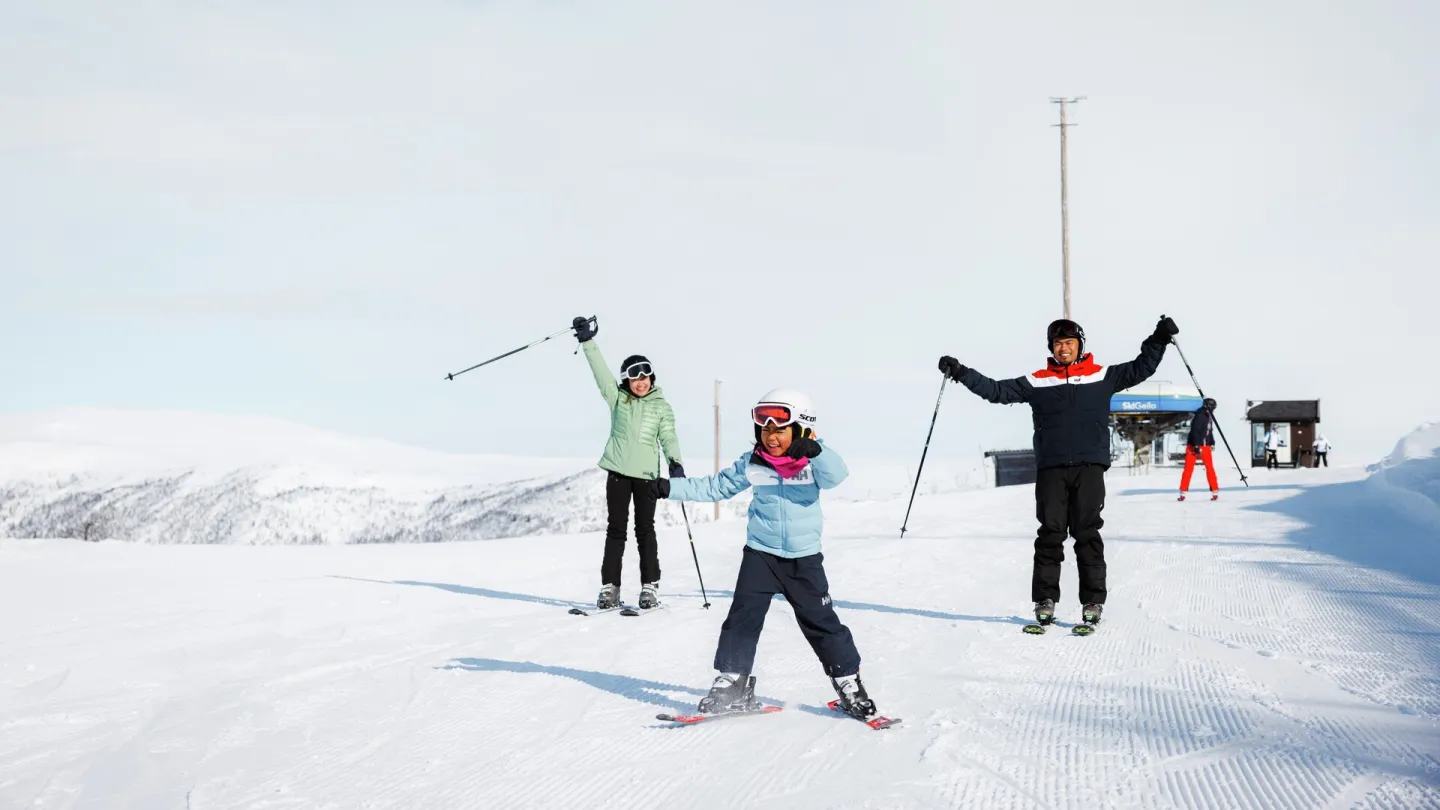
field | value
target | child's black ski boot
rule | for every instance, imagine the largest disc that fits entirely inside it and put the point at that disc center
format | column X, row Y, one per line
column 729, row 693
column 854, row 701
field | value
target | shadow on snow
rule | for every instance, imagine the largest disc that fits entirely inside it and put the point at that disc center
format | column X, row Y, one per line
column 639, row 690
column 468, row 590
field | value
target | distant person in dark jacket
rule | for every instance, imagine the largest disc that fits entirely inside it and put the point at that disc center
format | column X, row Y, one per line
column 1069, row 403
column 1200, row 444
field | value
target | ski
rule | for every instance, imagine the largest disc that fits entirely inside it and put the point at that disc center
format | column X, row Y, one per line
column 594, row 611
column 629, row 611
column 1082, row 629
column 692, row 719
column 1034, row 629
column 876, row 723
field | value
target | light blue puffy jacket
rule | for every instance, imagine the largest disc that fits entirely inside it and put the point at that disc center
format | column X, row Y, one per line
column 785, row 517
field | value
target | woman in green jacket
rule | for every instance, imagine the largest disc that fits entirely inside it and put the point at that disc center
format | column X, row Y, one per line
column 639, row 419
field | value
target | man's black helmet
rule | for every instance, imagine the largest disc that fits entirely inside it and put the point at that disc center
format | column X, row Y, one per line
column 1209, row 404
column 1064, row 328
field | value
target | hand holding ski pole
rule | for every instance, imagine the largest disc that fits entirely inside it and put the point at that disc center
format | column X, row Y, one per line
column 1166, row 330
column 585, row 328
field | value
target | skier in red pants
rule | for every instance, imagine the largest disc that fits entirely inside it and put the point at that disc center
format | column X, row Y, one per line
column 1201, row 443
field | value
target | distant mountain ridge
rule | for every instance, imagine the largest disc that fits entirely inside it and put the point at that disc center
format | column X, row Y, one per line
column 180, row 477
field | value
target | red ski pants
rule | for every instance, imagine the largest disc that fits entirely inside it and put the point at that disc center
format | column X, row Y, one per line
column 1190, row 468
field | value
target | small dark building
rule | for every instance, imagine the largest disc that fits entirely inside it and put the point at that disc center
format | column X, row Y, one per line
column 1294, row 419
column 1013, row 467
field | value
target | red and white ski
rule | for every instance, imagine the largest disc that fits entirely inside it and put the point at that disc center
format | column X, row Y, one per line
column 692, row 719
column 876, row 723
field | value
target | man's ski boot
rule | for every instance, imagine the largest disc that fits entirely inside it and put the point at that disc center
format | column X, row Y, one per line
column 1044, row 615
column 854, row 701
column 650, row 595
column 1091, row 616
column 609, row 597
column 1181, row 498
column 730, row 693
column 1214, row 496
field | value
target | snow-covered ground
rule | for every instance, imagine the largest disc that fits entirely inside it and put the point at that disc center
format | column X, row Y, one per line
column 1277, row 649
column 180, row 477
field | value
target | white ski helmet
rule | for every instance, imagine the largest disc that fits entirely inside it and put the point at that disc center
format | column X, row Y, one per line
column 785, row 406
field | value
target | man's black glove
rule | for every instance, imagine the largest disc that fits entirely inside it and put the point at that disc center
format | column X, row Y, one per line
column 1165, row 329
column 659, row 488
column 952, row 368
column 804, row 448
column 584, row 330
column 676, row 470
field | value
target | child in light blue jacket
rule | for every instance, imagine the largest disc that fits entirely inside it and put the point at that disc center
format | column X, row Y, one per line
column 788, row 468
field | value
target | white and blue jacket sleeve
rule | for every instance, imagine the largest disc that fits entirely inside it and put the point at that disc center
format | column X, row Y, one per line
column 721, row 486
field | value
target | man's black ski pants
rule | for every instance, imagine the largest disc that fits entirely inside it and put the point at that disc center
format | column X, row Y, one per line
column 1068, row 501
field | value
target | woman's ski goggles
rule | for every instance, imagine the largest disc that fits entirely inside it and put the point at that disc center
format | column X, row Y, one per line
column 781, row 415
column 637, row 371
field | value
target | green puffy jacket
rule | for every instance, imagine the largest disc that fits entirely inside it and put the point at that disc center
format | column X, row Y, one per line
column 636, row 424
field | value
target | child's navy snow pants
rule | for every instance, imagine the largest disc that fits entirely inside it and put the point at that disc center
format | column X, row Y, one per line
column 802, row 581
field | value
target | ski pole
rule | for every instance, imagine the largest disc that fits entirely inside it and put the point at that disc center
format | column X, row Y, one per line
column 700, row 576
column 923, row 454
column 1213, row 421
column 593, row 321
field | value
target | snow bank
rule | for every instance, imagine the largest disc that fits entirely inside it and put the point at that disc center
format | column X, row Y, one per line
column 1409, row 478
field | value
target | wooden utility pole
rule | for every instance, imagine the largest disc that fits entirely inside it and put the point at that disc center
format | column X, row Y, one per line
column 717, row 442
column 1065, row 195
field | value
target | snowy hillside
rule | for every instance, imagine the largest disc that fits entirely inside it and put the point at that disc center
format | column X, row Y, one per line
column 1277, row 649
column 175, row 477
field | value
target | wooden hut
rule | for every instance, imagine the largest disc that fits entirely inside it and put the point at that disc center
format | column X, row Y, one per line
column 1294, row 419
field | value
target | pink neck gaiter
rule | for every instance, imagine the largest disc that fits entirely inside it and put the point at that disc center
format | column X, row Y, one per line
column 786, row 466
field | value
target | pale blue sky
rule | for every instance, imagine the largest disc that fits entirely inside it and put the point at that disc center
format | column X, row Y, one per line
column 314, row 211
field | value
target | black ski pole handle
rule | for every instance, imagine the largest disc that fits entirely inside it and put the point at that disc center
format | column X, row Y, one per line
column 594, row 322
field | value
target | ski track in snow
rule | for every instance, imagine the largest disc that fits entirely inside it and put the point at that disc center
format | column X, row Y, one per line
column 1237, row 667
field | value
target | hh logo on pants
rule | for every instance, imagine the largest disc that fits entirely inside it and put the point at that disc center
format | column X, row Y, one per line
column 825, row 600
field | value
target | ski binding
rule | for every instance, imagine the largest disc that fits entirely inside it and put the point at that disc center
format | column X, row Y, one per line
column 876, row 723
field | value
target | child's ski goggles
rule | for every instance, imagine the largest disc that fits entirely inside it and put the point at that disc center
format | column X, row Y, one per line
column 781, row 415
column 637, row 371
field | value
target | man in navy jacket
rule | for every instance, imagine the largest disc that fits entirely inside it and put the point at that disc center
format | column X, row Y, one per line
column 1069, row 401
